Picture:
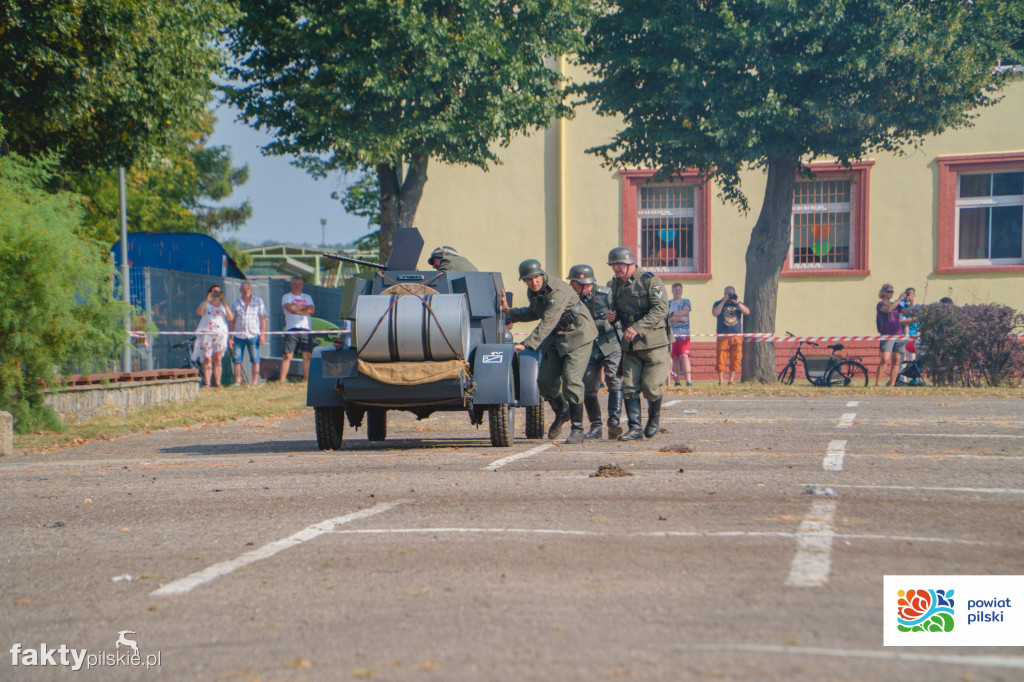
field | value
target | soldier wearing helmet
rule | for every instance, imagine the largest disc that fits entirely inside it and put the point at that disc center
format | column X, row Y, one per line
column 605, row 354
column 447, row 258
column 563, row 337
column 640, row 310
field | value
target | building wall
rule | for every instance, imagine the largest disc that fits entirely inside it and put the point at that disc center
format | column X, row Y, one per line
column 552, row 201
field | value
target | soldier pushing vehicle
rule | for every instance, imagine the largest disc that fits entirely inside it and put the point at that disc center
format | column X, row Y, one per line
column 640, row 310
column 606, row 353
column 563, row 337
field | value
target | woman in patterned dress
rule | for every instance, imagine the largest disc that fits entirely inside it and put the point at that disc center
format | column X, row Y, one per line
column 212, row 333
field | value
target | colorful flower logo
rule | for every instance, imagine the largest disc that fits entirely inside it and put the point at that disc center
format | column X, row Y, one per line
column 925, row 611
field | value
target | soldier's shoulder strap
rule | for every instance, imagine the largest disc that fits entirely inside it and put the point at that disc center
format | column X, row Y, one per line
column 602, row 290
column 647, row 274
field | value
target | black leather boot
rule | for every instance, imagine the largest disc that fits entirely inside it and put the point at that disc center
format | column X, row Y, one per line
column 614, row 413
column 593, row 415
column 653, row 418
column 633, row 415
column 576, row 417
column 561, row 409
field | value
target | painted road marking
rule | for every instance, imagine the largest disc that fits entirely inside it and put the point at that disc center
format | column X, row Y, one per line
column 995, row 491
column 190, row 582
column 1016, row 662
column 960, row 435
column 834, row 456
column 846, row 421
column 497, row 464
column 671, row 403
column 813, row 559
column 853, row 403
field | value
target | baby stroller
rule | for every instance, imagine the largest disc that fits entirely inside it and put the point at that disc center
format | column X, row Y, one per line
column 910, row 370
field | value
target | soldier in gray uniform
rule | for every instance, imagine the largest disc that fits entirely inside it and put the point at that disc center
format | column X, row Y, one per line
column 606, row 353
column 563, row 337
column 641, row 311
column 447, row 258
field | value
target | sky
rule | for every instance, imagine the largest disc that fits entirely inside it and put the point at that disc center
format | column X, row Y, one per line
column 287, row 203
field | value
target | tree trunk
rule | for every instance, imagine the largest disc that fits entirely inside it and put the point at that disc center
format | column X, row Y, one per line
column 398, row 202
column 768, row 248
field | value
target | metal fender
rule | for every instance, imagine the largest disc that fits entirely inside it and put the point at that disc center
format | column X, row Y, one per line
column 491, row 364
column 326, row 368
column 527, row 369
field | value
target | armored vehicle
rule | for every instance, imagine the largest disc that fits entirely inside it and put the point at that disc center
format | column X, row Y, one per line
column 422, row 341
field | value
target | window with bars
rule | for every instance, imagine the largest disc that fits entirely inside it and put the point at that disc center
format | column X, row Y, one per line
column 821, row 224
column 667, row 223
column 990, row 217
column 666, row 216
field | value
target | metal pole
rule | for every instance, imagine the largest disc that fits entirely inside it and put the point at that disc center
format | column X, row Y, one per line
column 323, row 233
column 126, row 295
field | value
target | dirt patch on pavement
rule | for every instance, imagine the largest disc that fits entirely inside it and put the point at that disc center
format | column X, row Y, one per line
column 610, row 471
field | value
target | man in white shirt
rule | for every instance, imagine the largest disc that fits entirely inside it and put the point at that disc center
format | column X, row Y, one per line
column 298, row 309
column 250, row 331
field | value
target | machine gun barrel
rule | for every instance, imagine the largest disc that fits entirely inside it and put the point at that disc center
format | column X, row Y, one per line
column 347, row 259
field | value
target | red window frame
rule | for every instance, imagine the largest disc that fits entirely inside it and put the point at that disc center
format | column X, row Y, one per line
column 859, row 175
column 950, row 168
column 632, row 180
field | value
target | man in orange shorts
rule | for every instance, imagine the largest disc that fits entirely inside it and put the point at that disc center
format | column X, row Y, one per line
column 729, row 312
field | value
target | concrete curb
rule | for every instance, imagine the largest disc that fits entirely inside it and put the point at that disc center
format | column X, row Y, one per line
column 6, row 433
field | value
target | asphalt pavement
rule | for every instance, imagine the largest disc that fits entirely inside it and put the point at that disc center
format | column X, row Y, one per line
column 746, row 541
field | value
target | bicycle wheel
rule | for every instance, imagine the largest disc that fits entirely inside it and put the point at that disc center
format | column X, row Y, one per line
column 848, row 373
column 787, row 374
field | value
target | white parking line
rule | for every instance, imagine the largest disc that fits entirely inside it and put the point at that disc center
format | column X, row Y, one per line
column 1016, row 662
column 961, row 435
column 995, row 491
column 497, row 464
column 853, row 403
column 834, row 456
column 813, row 560
column 190, row 582
column 846, row 421
column 671, row 403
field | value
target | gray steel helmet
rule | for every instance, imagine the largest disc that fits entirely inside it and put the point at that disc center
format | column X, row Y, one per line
column 530, row 268
column 441, row 251
column 584, row 274
column 621, row 254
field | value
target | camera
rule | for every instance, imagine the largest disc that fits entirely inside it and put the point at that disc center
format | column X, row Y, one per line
column 733, row 297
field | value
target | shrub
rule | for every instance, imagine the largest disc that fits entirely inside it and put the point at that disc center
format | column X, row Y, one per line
column 971, row 345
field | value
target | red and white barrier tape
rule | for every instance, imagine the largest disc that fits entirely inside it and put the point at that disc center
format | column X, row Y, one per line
column 143, row 334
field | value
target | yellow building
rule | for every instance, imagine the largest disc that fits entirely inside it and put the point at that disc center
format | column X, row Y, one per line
column 945, row 218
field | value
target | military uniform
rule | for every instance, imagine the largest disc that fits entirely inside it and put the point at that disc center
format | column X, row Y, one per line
column 641, row 303
column 450, row 260
column 606, row 354
column 565, row 348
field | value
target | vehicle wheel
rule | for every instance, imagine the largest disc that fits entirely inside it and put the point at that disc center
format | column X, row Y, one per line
column 787, row 375
column 330, row 426
column 376, row 424
column 848, row 374
column 502, row 421
column 535, row 421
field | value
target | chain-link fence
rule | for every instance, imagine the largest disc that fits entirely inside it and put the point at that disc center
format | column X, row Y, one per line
column 167, row 301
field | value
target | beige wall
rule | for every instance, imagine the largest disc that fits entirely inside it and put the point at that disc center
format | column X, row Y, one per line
column 549, row 189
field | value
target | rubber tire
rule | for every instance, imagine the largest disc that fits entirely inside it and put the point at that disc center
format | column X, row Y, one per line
column 787, row 375
column 847, row 374
column 535, row 421
column 330, row 427
column 502, row 421
column 376, row 424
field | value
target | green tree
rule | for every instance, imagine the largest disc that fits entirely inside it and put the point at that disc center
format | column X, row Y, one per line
column 726, row 85
column 177, row 188
column 58, row 308
column 103, row 82
column 390, row 85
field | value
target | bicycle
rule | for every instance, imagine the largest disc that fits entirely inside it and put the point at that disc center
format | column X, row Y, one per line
column 825, row 370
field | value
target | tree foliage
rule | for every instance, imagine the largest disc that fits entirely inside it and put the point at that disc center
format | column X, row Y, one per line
column 390, row 85
column 726, row 85
column 102, row 82
column 58, row 309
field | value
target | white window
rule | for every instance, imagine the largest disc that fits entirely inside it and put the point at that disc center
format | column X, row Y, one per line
column 990, row 218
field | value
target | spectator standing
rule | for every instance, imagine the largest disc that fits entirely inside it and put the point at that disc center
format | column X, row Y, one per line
column 605, row 355
column 298, row 309
column 887, row 322
column 908, row 320
column 679, row 320
column 641, row 311
column 212, row 334
column 563, row 337
column 729, row 312
column 250, row 331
